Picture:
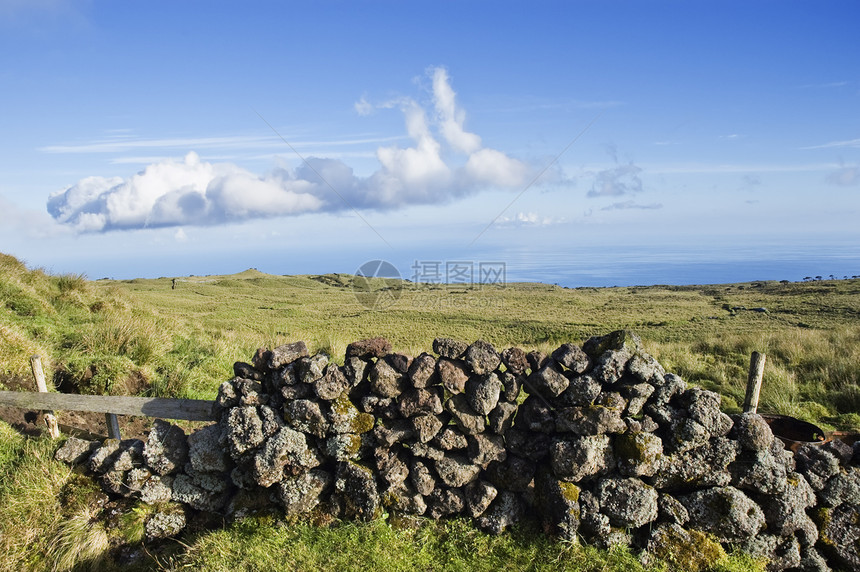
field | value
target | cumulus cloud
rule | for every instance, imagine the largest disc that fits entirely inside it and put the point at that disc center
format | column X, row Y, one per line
column 443, row 162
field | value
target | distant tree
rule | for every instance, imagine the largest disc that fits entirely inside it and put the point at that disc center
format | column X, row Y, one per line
column 807, row 278
column 783, row 282
column 832, row 277
column 818, row 278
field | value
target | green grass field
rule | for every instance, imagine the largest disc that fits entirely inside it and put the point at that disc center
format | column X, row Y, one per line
column 147, row 337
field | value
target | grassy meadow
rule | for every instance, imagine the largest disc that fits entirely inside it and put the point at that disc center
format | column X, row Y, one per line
column 179, row 338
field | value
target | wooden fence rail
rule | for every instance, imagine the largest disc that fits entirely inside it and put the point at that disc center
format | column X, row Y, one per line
column 187, row 409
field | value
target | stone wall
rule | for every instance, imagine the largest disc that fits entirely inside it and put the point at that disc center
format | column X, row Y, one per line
column 597, row 443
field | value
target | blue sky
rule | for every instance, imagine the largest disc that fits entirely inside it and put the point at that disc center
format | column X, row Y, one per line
column 577, row 142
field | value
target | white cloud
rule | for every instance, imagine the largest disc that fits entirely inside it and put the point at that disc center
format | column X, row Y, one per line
column 846, row 176
column 443, row 162
column 530, row 219
column 617, row 181
column 180, row 235
column 830, row 145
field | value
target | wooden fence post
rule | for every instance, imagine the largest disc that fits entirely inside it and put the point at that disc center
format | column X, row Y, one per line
column 112, row 426
column 754, row 382
column 39, row 374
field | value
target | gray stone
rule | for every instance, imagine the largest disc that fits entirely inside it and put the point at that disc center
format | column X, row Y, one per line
column 448, row 348
column 485, row 448
column 658, row 405
column 645, row 368
column 482, row 393
column 450, row 438
column 453, row 374
column 548, row 380
column 157, row 489
column 227, row 397
column 842, row 488
column 704, row 466
column 310, row 369
column 817, row 464
column 426, row 451
column 535, row 414
column 781, row 553
column 513, row 473
column 392, row 432
column 354, row 368
column 685, row 434
column 385, row 381
column 250, row 392
column 469, row 421
column 426, row 427
column 445, row 502
column 638, row 454
column 403, row 497
column 456, row 470
column 785, row 512
column 753, row 432
column 130, row 455
column 515, row 361
column 287, row 449
column 590, row 420
column 344, row 417
column 479, row 494
column 303, row 492
column 421, row 371
column 195, row 496
column 306, row 416
column 582, row 391
column 357, row 485
column 285, row 354
column 536, row 360
column 380, row 407
column 704, row 407
column 628, row 502
column 342, row 446
column 505, row 511
column 421, row 477
column 502, row 417
column 573, row 358
column 482, row 357
column 670, row 509
column 332, row 384
column 758, row 472
column 725, row 512
column 582, row 458
column 75, row 451
column 534, row 446
column 391, row 464
column 414, row 402
column 166, row 447
column 512, row 384
column 637, row 395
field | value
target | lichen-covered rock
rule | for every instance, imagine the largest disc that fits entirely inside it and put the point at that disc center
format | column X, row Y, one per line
column 515, row 361
column 204, row 452
column 704, row 407
column 243, row 431
column 637, row 395
column 589, row 420
column 467, row 419
column 685, row 434
column 357, row 485
column 645, row 368
column 483, row 392
column 456, row 470
column 391, row 464
column 306, row 416
column 785, row 512
column 511, row 386
column 670, row 509
column 385, row 381
column 342, row 446
column 479, row 494
column 758, row 472
column 287, row 449
column 286, row 354
column 450, row 438
column 354, row 369
column 780, row 552
column 403, row 497
column 421, row 371
column 186, row 491
column 581, row 458
column 332, row 384
column 505, row 511
column 166, row 448
column 157, row 489
column 725, row 512
column 426, row 451
column 482, row 357
column 558, row 505
column 311, row 369
column 453, row 374
column 380, row 407
column 628, row 502
column 227, row 396
column 752, row 432
column 548, row 381
column 369, row 348
column 392, row 432
column 344, row 417
column 638, row 454
column 75, row 451
column 842, row 488
column 704, row 466
column 303, row 492
column 688, row 550
column 167, row 522
column 414, row 402
column 658, row 405
column 449, row 348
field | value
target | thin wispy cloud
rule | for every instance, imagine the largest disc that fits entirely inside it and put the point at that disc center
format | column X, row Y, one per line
column 626, row 205
column 832, row 144
column 529, row 219
column 444, row 161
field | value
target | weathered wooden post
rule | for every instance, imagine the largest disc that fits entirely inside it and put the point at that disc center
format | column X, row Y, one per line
column 754, row 382
column 39, row 375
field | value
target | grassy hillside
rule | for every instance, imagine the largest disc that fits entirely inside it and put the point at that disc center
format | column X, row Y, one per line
column 179, row 338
